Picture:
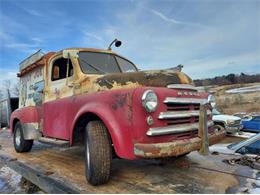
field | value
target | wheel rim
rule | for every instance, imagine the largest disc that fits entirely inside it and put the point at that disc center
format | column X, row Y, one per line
column 18, row 137
column 217, row 129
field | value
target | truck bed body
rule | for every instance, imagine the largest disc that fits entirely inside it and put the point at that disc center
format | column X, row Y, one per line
column 56, row 169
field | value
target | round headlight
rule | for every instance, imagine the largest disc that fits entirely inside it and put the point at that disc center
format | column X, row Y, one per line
column 149, row 101
column 212, row 101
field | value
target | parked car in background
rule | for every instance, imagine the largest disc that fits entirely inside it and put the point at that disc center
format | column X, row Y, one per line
column 250, row 146
column 251, row 123
column 230, row 123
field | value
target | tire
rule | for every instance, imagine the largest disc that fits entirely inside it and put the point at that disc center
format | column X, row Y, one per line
column 218, row 128
column 20, row 144
column 98, row 153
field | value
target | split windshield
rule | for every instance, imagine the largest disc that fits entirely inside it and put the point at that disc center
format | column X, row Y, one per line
column 101, row 63
column 215, row 112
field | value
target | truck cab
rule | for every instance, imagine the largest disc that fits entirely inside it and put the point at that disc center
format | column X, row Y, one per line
column 100, row 99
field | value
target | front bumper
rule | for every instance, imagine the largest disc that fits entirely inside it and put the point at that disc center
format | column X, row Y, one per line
column 175, row 148
column 233, row 129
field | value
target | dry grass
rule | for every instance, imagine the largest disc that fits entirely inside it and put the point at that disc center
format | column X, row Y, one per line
column 240, row 102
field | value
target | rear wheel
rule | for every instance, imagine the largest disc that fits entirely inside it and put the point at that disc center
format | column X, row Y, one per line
column 20, row 144
column 98, row 153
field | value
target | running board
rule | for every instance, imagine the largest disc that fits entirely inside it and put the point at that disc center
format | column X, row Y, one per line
column 53, row 141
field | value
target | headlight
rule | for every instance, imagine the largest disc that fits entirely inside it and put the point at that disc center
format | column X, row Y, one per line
column 230, row 122
column 149, row 101
column 212, row 101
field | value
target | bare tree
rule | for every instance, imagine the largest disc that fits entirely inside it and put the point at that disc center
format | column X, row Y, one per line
column 9, row 87
column 7, row 84
column 15, row 89
column 1, row 94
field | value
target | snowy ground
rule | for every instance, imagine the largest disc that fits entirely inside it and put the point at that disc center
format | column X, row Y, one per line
column 10, row 181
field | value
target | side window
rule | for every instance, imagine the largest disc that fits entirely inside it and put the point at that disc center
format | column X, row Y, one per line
column 253, row 148
column 59, row 69
column 257, row 118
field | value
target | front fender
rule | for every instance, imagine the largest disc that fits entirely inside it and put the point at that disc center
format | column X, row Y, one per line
column 116, row 113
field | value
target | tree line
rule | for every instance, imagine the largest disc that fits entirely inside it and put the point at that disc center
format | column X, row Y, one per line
column 228, row 79
column 7, row 86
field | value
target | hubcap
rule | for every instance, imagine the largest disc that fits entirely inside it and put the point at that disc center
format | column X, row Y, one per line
column 18, row 137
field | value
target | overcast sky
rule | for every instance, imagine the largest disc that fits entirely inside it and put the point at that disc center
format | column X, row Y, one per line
column 209, row 37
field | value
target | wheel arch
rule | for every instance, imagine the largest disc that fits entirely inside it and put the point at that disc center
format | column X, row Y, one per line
column 14, row 121
column 221, row 123
column 93, row 112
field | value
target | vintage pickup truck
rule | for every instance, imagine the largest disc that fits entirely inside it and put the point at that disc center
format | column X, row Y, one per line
column 100, row 99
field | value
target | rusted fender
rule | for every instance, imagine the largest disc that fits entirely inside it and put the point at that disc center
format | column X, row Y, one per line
column 114, row 109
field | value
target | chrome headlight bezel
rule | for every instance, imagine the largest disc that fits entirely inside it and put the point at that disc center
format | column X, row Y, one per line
column 230, row 122
column 150, row 101
column 212, row 101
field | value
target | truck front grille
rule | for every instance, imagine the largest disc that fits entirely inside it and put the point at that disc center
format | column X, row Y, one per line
column 182, row 116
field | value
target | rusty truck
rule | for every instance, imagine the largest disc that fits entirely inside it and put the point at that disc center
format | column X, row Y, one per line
column 100, row 99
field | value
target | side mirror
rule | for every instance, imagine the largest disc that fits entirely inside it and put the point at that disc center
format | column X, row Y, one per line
column 118, row 43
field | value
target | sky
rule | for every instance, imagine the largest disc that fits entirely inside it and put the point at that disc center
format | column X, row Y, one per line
column 210, row 37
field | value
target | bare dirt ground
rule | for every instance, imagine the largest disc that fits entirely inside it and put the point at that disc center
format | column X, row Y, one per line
column 231, row 103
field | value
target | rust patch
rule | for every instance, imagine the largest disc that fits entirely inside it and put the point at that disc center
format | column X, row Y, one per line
column 160, row 78
column 175, row 148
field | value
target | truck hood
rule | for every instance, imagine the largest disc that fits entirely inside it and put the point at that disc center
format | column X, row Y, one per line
column 154, row 78
column 224, row 117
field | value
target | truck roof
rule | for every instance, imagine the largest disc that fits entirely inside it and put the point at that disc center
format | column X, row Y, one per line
column 39, row 58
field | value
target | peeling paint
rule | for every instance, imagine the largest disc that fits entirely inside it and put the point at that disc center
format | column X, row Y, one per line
column 80, row 83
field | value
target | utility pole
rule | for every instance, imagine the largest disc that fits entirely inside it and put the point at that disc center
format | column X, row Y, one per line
column 9, row 109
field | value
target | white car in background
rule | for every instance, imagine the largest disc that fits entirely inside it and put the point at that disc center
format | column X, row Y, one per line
column 231, row 123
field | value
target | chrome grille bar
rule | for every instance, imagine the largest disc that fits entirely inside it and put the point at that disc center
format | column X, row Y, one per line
column 180, row 114
column 182, row 86
column 185, row 100
column 174, row 129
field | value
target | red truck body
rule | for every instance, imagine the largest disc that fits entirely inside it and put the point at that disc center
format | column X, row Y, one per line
column 63, row 106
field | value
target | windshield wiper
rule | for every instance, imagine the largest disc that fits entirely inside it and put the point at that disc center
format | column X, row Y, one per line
column 96, row 68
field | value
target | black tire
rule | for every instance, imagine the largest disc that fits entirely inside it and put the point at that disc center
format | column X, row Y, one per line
column 98, row 153
column 22, row 145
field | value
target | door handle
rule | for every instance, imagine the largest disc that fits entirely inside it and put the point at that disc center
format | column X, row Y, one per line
column 75, row 85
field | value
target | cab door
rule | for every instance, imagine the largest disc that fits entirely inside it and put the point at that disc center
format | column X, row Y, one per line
column 57, row 98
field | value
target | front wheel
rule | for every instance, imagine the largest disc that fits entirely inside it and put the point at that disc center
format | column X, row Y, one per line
column 218, row 128
column 98, row 153
column 20, row 144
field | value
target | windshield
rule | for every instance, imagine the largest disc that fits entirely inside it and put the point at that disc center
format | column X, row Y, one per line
column 101, row 63
column 215, row 112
